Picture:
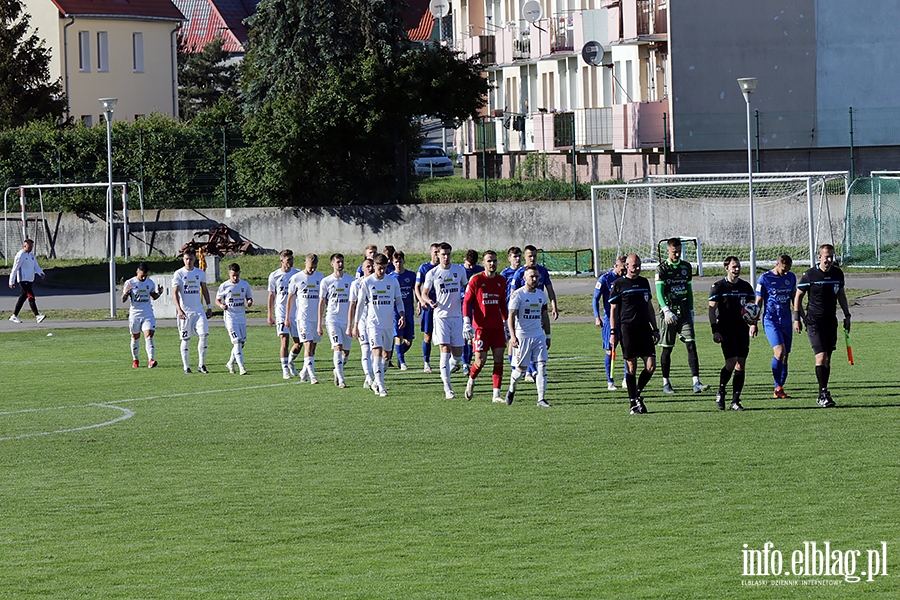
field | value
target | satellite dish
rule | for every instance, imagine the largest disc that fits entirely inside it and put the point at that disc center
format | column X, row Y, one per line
column 439, row 8
column 592, row 53
column 532, row 11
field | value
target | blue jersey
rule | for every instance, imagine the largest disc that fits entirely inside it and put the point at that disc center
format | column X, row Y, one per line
column 471, row 272
column 543, row 277
column 601, row 292
column 777, row 293
column 420, row 279
column 508, row 274
column 406, row 281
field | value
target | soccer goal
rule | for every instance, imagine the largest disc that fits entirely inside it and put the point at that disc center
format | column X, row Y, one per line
column 872, row 225
column 791, row 216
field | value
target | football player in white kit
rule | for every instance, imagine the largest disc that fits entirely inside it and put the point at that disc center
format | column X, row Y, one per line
column 277, row 310
column 334, row 309
column 367, row 268
column 234, row 298
column 381, row 297
column 191, row 295
column 142, row 291
column 303, row 309
column 449, row 284
column 529, row 334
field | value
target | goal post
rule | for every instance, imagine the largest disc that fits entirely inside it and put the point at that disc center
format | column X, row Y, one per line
column 633, row 217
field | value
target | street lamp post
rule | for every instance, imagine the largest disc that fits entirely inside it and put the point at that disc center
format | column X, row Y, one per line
column 748, row 86
column 109, row 105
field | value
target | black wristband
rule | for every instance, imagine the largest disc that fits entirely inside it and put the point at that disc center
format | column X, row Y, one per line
column 612, row 331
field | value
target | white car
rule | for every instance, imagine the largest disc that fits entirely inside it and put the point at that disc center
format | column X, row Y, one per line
column 432, row 161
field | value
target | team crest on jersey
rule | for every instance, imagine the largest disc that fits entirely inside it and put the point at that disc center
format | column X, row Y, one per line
column 646, row 297
column 837, row 287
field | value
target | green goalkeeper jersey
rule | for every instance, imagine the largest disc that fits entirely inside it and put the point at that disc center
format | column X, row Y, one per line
column 673, row 286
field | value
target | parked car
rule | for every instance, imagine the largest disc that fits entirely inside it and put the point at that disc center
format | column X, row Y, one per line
column 432, row 161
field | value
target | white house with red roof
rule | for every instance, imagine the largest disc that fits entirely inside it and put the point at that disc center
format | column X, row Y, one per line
column 123, row 49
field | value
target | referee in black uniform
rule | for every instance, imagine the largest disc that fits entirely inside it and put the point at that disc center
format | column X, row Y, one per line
column 727, row 298
column 633, row 322
column 825, row 285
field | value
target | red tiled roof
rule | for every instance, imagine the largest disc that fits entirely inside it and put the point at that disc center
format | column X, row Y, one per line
column 418, row 21
column 209, row 19
column 156, row 9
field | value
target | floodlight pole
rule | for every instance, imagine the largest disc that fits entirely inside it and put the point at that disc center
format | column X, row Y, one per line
column 748, row 86
column 109, row 105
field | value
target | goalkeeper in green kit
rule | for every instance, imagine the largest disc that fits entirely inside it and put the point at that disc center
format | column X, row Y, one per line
column 676, row 318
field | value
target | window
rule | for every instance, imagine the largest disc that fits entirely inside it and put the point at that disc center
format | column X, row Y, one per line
column 137, row 44
column 103, row 52
column 84, row 51
column 88, row 120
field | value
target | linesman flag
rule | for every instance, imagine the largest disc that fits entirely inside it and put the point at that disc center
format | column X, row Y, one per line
column 849, row 348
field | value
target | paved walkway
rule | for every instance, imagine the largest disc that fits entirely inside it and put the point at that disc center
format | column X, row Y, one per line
column 883, row 305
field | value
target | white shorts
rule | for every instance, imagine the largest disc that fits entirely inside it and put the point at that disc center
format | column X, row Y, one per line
column 193, row 322
column 309, row 332
column 530, row 350
column 448, row 331
column 338, row 335
column 282, row 330
column 139, row 323
column 237, row 332
column 380, row 338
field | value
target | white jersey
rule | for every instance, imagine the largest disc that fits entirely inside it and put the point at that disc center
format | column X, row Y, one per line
column 356, row 295
column 528, row 307
column 189, row 284
column 278, row 285
column 141, row 300
column 381, row 297
column 25, row 266
column 306, row 289
column 235, row 296
column 449, row 286
column 336, row 293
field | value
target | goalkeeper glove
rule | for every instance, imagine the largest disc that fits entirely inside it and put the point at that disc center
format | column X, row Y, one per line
column 468, row 332
column 669, row 317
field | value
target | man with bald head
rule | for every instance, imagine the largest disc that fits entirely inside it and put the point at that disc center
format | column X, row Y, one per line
column 633, row 323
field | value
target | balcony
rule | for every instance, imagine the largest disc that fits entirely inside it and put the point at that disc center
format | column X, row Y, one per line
column 481, row 44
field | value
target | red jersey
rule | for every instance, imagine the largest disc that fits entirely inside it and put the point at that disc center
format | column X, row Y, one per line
column 485, row 301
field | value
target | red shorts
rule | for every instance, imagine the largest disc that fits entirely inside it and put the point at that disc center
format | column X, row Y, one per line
column 488, row 339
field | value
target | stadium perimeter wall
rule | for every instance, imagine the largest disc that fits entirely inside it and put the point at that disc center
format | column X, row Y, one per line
column 412, row 228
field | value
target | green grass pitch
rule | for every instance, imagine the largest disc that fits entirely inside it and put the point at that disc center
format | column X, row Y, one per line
column 223, row 486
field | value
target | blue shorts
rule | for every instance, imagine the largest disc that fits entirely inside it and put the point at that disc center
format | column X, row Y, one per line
column 426, row 321
column 779, row 334
column 408, row 332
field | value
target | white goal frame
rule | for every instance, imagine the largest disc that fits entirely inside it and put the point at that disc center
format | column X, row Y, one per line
column 649, row 188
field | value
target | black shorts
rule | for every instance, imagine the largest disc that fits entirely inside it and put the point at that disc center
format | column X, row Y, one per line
column 637, row 340
column 822, row 333
column 735, row 342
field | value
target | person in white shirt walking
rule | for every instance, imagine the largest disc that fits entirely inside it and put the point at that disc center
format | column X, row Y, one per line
column 356, row 314
column 277, row 311
column 191, row 298
column 25, row 267
column 141, row 290
column 303, row 309
column 234, row 298
column 529, row 334
column 381, row 296
column 334, row 310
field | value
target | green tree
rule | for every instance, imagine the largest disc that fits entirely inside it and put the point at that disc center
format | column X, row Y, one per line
column 332, row 91
column 26, row 93
column 203, row 77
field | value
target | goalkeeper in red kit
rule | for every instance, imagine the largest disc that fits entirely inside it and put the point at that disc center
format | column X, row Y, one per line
column 484, row 315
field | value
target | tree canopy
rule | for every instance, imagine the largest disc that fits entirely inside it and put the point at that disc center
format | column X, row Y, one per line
column 26, row 93
column 332, row 92
column 203, row 77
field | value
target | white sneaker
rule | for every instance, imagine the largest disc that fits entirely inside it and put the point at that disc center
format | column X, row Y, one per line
column 425, row 369
column 403, row 366
column 498, row 400
column 382, row 393
column 313, row 380
column 449, row 395
column 292, row 370
column 40, row 318
column 375, row 387
column 230, row 367
column 611, row 386
column 529, row 377
column 470, row 388
column 15, row 319
column 243, row 371
column 367, row 383
column 285, row 373
column 301, row 375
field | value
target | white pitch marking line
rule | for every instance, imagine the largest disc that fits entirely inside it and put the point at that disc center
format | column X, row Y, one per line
column 127, row 413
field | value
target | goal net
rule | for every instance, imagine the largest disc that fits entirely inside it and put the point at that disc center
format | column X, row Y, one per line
column 791, row 216
column 872, row 228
